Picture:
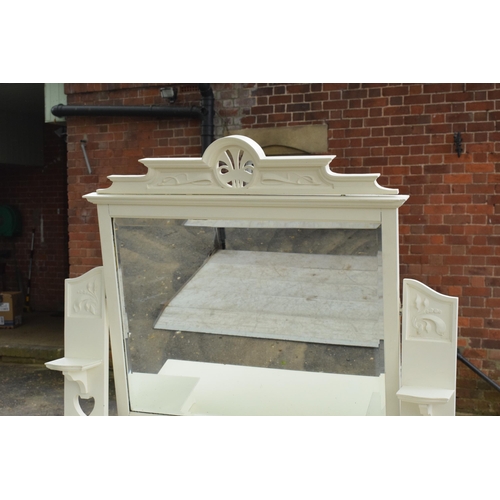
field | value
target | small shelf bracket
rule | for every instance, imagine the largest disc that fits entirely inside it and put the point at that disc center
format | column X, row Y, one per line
column 75, row 370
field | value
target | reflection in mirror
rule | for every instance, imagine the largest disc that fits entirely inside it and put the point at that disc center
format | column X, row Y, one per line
column 252, row 317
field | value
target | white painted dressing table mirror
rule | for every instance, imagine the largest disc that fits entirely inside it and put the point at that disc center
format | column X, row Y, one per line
column 240, row 284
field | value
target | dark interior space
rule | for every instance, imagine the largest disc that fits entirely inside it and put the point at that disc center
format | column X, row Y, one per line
column 33, row 199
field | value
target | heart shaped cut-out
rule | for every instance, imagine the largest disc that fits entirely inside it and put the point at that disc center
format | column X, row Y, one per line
column 86, row 405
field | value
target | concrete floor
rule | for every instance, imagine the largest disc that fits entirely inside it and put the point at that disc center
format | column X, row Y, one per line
column 27, row 386
column 39, row 339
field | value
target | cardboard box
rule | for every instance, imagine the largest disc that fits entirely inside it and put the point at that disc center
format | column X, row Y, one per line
column 11, row 309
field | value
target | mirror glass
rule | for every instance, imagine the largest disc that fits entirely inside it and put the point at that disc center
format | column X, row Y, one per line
column 229, row 317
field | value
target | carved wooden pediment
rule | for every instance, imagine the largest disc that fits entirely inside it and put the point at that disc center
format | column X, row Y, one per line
column 238, row 165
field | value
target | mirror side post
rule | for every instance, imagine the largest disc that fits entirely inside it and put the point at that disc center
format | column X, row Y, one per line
column 110, row 267
column 392, row 347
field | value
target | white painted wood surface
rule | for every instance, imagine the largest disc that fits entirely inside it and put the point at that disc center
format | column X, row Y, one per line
column 86, row 345
column 429, row 351
column 250, row 391
column 162, row 394
column 285, row 189
column 237, row 163
column 274, row 224
column 329, row 299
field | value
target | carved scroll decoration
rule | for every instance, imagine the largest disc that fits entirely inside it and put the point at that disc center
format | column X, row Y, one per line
column 290, row 178
column 181, row 180
column 427, row 321
column 85, row 299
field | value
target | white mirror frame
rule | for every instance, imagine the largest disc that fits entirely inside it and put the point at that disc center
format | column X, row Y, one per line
column 235, row 177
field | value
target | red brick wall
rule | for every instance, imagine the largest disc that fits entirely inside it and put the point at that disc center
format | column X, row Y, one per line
column 114, row 146
column 449, row 226
column 37, row 192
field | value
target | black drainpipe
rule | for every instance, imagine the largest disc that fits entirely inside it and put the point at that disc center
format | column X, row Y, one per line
column 205, row 112
column 207, row 121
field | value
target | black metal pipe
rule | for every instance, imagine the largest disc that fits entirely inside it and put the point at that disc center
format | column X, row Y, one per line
column 207, row 120
column 155, row 111
column 205, row 113
column 208, row 135
column 477, row 371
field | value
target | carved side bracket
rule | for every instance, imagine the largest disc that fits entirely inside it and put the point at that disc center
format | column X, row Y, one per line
column 429, row 351
column 86, row 345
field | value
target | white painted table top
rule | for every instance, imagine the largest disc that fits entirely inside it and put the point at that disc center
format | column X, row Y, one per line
column 245, row 390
